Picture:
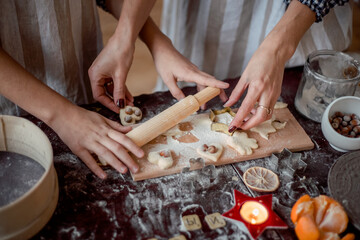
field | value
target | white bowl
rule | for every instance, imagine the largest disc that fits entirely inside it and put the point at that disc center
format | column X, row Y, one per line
column 347, row 105
column 25, row 216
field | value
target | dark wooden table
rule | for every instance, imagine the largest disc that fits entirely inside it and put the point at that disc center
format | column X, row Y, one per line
column 119, row 208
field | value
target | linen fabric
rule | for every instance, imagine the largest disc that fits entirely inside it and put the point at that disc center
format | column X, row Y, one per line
column 56, row 41
column 220, row 36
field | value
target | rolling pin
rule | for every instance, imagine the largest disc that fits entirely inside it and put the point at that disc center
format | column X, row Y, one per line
column 171, row 116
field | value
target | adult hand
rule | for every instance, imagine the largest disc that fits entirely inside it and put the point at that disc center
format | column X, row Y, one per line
column 264, row 73
column 174, row 67
column 86, row 132
column 112, row 66
column 262, row 78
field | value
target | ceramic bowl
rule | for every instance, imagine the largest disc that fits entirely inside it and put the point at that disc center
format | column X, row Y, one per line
column 28, row 214
column 346, row 105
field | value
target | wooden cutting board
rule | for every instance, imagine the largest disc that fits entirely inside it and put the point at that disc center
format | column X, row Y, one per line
column 195, row 131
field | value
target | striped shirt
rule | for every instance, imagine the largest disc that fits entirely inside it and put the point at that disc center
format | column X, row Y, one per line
column 56, row 41
column 220, row 36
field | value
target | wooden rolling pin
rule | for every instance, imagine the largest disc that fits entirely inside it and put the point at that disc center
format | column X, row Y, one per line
column 171, row 116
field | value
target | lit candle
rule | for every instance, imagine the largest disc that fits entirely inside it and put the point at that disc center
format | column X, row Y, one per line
column 254, row 212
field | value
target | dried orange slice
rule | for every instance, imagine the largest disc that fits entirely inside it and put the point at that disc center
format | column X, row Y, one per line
column 261, row 179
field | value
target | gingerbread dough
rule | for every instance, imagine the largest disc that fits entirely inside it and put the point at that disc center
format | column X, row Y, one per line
column 242, row 143
column 161, row 158
column 129, row 115
column 211, row 151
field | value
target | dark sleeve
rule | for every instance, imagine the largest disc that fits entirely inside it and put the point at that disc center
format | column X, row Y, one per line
column 320, row 7
column 102, row 4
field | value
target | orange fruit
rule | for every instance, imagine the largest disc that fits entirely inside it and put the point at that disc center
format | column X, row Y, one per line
column 319, row 218
column 261, row 179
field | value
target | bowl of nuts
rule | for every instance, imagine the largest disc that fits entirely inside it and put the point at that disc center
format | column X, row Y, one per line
column 340, row 123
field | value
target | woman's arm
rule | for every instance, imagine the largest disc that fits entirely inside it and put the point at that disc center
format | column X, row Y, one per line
column 264, row 73
column 114, row 61
column 84, row 132
column 172, row 66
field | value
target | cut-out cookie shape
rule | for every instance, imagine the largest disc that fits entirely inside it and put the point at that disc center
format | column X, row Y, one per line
column 162, row 158
column 242, row 143
column 221, row 119
column 269, row 126
column 264, row 129
column 212, row 151
column 129, row 115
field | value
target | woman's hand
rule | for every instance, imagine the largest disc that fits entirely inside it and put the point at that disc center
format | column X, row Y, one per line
column 87, row 133
column 174, row 67
column 114, row 61
column 111, row 67
column 263, row 79
column 264, row 73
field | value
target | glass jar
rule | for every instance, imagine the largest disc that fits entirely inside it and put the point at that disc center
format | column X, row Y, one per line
column 327, row 75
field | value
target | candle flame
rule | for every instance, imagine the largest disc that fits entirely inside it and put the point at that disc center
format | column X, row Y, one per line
column 255, row 212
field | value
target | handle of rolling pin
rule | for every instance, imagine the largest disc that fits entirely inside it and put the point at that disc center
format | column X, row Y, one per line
column 206, row 95
column 171, row 116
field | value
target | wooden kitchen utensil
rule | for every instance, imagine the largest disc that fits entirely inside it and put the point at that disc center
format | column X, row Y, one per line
column 26, row 215
column 171, row 116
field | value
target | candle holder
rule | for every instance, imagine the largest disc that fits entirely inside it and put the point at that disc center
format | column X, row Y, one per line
column 255, row 213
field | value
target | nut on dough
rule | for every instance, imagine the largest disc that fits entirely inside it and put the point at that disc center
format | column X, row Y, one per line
column 129, row 115
column 208, row 153
column 161, row 158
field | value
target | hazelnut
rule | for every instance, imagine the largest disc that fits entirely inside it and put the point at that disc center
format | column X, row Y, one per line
column 350, row 72
column 344, row 123
column 205, row 147
column 339, row 114
column 345, row 130
column 137, row 112
column 212, row 149
column 356, row 129
column 335, row 125
column 352, row 134
column 128, row 118
column 337, row 120
column 347, row 118
column 354, row 116
column 128, row 110
column 164, row 154
column 354, row 122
